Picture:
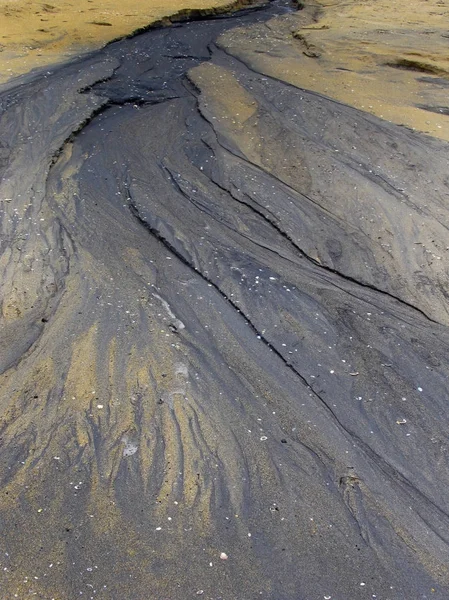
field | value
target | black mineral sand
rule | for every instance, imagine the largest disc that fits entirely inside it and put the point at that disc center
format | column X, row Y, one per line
column 224, row 333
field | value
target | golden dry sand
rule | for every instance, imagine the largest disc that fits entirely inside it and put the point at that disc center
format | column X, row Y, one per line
column 386, row 57
column 390, row 58
column 223, row 314
column 34, row 33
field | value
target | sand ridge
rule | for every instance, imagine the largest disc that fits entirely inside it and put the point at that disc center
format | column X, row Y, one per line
column 223, row 330
column 387, row 58
column 390, row 59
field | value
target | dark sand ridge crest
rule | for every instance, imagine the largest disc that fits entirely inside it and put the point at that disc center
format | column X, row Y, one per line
column 223, row 330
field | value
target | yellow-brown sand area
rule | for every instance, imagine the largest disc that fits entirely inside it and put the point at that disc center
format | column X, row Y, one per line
column 384, row 56
column 35, row 33
column 387, row 57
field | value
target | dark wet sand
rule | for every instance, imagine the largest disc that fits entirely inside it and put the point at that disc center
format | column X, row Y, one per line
column 35, row 34
column 224, row 330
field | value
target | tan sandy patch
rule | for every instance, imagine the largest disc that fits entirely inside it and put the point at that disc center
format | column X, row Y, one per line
column 35, row 33
column 386, row 48
column 386, row 57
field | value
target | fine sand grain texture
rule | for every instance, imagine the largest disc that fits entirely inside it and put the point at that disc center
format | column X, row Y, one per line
column 224, row 327
column 35, row 33
column 389, row 58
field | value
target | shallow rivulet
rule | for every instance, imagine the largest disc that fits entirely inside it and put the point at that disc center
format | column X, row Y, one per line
column 224, row 333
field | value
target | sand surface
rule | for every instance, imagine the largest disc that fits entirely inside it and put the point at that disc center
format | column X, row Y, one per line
column 223, row 324
column 34, row 34
column 389, row 58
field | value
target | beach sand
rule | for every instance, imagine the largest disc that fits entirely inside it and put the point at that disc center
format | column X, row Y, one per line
column 390, row 59
column 34, row 34
column 385, row 57
column 223, row 310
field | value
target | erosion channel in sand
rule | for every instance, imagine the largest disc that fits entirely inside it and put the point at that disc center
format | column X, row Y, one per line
column 224, row 329
column 36, row 33
column 389, row 58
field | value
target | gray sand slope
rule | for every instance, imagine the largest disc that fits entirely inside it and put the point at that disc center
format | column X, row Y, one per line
column 224, row 341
